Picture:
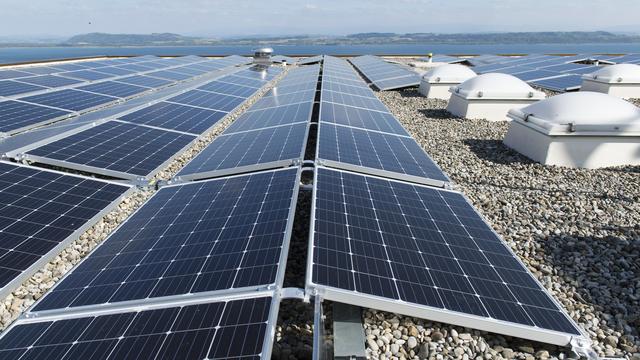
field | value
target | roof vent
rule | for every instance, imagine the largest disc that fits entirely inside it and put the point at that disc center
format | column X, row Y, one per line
column 262, row 56
column 436, row 82
column 582, row 129
column 622, row 80
column 490, row 96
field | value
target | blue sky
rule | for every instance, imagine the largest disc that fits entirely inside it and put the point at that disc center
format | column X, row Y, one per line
column 219, row 18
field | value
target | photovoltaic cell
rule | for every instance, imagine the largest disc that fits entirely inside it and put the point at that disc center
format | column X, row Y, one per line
column 89, row 75
column 70, row 99
column 237, row 329
column 16, row 115
column 222, row 234
column 40, row 209
column 372, row 151
column 286, row 99
column 229, row 89
column 424, row 247
column 384, row 75
column 370, row 103
column 208, row 100
column 360, row 118
column 9, row 88
column 113, row 88
column 560, row 83
column 116, row 146
column 50, row 81
column 146, row 81
column 176, row 117
column 260, row 148
column 170, row 75
column 13, row 74
column 281, row 115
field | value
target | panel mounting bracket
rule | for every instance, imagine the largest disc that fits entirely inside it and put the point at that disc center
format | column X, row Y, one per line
column 293, row 293
column 582, row 348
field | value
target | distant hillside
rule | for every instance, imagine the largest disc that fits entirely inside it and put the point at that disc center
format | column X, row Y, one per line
column 102, row 39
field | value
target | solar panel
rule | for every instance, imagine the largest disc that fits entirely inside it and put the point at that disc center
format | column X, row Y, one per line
column 51, row 81
column 310, row 60
column 87, row 75
column 208, row 100
column 175, row 117
column 229, row 89
column 263, row 118
column 376, row 153
column 146, row 81
column 560, row 83
column 285, row 99
column 239, row 80
column 40, row 213
column 347, row 89
column 370, row 103
column 535, row 75
column 250, row 150
column 360, row 118
column 114, row 148
column 113, row 70
column 236, row 329
column 69, row 67
column 113, row 88
column 170, row 75
column 16, row 116
column 423, row 252
column 216, row 235
column 384, row 75
column 40, row 70
column 397, row 83
column 10, row 87
column 70, row 99
column 13, row 74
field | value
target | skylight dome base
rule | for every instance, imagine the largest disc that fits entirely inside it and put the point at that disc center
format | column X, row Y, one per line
column 436, row 82
column 622, row 80
column 580, row 130
column 491, row 96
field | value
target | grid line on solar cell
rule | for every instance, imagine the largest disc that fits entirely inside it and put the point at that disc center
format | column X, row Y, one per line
column 361, row 118
column 41, row 209
column 116, row 146
column 207, row 100
column 175, row 117
column 216, row 235
column 215, row 330
column 422, row 246
column 392, row 154
column 259, row 148
column 270, row 117
column 70, row 99
column 16, row 115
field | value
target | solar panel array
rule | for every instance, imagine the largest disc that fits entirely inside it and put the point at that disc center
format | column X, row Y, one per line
column 272, row 133
column 139, row 143
column 358, row 132
column 41, row 211
column 78, row 87
column 385, row 75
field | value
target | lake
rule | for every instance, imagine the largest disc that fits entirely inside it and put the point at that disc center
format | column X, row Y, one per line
column 26, row 54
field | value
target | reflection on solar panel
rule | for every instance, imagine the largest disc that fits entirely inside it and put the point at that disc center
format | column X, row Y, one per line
column 278, row 100
column 560, row 83
column 346, row 89
column 384, row 75
column 16, row 116
column 535, row 75
column 113, row 88
column 310, row 60
column 370, row 103
column 50, row 81
column 10, row 87
column 87, row 75
column 70, row 99
column 175, row 117
column 41, row 211
column 114, row 148
column 113, row 70
column 239, row 80
column 423, row 252
column 170, row 75
column 376, row 153
column 281, row 115
column 215, row 330
column 229, row 89
column 360, row 118
column 208, row 100
column 229, row 233
column 146, row 81
column 250, row 150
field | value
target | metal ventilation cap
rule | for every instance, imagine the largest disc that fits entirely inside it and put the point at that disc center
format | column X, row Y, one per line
column 583, row 111
column 616, row 74
column 449, row 74
column 496, row 86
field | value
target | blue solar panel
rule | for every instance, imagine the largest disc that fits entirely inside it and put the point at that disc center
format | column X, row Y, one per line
column 170, row 75
column 376, row 152
column 13, row 74
column 263, row 118
column 208, row 100
column 40, row 70
column 229, row 89
column 370, row 103
column 360, row 118
column 535, row 75
column 263, row 148
column 145, row 81
column 10, row 87
column 51, row 81
column 15, row 115
column 560, row 83
column 115, row 146
column 347, row 89
column 228, row 233
column 416, row 247
column 238, row 329
column 41, row 209
column 87, row 75
column 176, row 117
column 116, row 71
column 238, row 80
column 70, row 99
column 113, row 88
column 384, row 75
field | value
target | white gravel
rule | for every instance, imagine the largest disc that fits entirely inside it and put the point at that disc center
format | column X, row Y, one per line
column 577, row 230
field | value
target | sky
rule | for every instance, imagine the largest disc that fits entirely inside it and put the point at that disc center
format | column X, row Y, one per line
column 224, row 18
